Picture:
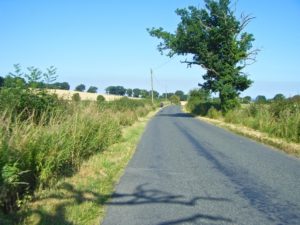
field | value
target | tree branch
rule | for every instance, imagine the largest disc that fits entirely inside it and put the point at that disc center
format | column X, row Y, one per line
column 203, row 25
column 251, row 56
column 245, row 20
column 190, row 63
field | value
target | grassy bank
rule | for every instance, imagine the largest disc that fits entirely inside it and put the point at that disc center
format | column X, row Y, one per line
column 40, row 143
column 278, row 143
column 81, row 199
column 276, row 123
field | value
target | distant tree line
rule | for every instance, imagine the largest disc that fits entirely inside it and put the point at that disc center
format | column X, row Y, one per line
column 261, row 99
column 143, row 93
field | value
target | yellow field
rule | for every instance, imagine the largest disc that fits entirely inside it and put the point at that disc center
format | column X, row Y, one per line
column 67, row 95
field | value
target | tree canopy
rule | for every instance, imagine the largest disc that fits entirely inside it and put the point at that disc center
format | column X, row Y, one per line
column 116, row 90
column 80, row 87
column 279, row 97
column 92, row 89
column 181, row 95
column 60, row 85
column 136, row 92
column 129, row 92
column 261, row 99
column 1, row 81
column 215, row 39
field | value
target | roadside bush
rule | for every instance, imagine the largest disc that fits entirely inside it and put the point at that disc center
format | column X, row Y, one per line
column 198, row 107
column 100, row 99
column 213, row 113
column 35, row 155
column 43, row 138
column 279, row 119
column 28, row 104
column 174, row 99
column 76, row 97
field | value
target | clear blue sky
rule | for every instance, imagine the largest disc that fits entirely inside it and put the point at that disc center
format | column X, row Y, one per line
column 105, row 43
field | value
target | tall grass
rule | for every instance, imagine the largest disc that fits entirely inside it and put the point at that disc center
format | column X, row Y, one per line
column 278, row 119
column 36, row 153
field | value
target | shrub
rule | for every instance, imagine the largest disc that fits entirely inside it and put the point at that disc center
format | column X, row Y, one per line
column 100, row 98
column 174, row 99
column 196, row 106
column 76, row 97
column 36, row 155
column 28, row 104
column 213, row 113
column 46, row 153
column 279, row 118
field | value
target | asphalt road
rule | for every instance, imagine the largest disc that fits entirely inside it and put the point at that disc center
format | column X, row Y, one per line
column 189, row 172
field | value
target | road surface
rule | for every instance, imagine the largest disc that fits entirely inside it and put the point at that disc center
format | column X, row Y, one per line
column 189, row 172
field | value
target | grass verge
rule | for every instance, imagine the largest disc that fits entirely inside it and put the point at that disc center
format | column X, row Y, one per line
column 278, row 143
column 81, row 199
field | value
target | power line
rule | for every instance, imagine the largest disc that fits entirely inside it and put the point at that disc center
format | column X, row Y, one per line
column 164, row 63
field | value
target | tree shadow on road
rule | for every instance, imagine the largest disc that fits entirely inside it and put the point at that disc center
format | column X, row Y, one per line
column 261, row 197
column 145, row 196
column 142, row 195
column 182, row 115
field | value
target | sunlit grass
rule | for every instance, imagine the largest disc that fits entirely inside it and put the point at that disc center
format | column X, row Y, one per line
column 81, row 198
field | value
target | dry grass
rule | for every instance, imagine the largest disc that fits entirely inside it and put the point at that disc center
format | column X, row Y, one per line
column 67, row 95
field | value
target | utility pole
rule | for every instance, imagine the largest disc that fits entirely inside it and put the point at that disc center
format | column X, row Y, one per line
column 166, row 93
column 151, row 84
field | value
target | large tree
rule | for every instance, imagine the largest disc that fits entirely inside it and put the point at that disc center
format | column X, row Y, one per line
column 1, row 81
column 80, row 87
column 215, row 39
column 136, row 92
column 129, row 92
column 115, row 90
column 181, row 95
column 92, row 89
column 60, row 85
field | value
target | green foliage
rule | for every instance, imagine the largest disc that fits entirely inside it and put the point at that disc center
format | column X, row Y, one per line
column 198, row 107
column 24, row 103
column 279, row 97
column 92, row 89
column 215, row 39
column 50, row 76
column 213, row 113
column 181, row 95
column 246, row 100
column 37, row 155
column 100, row 99
column 200, row 102
column 43, row 139
column 1, row 81
column 59, row 85
column 296, row 98
column 155, row 94
column 136, row 92
column 279, row 118
column 174, row 99
column 80, row 87
column 261, row 99
column 76, row 97
column 115, row 90
column 144, row 93
column 14, row 82
column 129, row 92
